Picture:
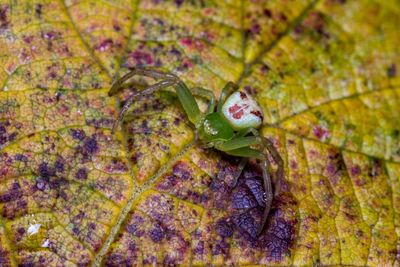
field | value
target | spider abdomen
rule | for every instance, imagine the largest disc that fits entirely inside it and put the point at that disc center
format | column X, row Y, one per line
column 242, row 111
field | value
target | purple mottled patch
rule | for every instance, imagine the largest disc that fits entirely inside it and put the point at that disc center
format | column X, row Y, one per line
column 78, row 134
column 134, row 230
column 181, row 170
column 81, row 174
column 45, row 170
column 257, row 190
column 199, row 249
column 21, row 157
column 41, row 183
column 4, row 18
column 91, row 145
column 220, row 247
column 280, row 232
column 321, row 132
column 247, row 222
column 157, row 234
column 59, row 165
column 392, row 71
column 224, row 228
column 242, row 198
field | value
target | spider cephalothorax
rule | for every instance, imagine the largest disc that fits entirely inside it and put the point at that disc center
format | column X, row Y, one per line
column 230, row 127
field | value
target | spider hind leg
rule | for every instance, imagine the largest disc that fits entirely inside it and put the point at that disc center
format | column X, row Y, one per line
column 240, row 146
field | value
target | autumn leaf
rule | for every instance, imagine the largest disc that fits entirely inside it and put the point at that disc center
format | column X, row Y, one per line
column 73, row 194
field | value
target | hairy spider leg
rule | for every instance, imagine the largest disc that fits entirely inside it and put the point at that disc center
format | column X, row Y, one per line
column 184, row 93
column 148, row 90
column 242, row 164
column 152, row 73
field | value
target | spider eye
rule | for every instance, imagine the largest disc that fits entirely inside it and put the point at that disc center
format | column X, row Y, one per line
column 242, row 111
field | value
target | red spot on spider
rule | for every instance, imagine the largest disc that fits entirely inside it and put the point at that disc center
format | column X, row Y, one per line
column 256, row 113
column 243, row 95
column 236, row 111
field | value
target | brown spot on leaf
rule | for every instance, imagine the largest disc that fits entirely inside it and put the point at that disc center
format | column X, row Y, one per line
column 4, row 17
column 392, row 71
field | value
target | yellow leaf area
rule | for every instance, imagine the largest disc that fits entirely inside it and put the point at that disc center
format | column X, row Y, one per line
column 72, row 193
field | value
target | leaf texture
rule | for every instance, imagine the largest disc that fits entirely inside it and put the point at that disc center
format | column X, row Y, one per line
column 74, row 194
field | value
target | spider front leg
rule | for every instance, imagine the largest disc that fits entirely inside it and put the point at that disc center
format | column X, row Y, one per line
column 151, row 73
column 185, row 96
column 228, row 89
column 129, row 102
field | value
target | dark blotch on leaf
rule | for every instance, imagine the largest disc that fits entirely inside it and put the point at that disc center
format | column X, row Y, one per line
column 13, row 194
column 81, row 174
column 224, row 228
column 157, row 234
column 78, row 134
column 221, row 247
column 257, row 190
column 46, row 171
column 89, row 147
column 133, row 229
column 242, row 198
column 4, row 20
column 41, row 183
column 392, row 71
column 21, row 157
column 59, row 165
column 280, row 233
column 38, row 10
column 179, row 2
column 247, row 222
column 180, row 170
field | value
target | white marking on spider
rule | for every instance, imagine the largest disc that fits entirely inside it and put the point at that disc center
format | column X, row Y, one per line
column 242, row 111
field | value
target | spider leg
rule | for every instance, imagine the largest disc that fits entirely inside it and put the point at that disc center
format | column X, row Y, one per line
column 226, row 91
column 248, row 152
column 199, row 91
column 148, row 90
column 242, row 164
column 151, row 73
column 280, row 175
column 185, row 95
column 240, row 146
column 266, row 143
column 268, row 195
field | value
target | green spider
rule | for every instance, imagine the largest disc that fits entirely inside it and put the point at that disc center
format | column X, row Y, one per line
column 231, row 127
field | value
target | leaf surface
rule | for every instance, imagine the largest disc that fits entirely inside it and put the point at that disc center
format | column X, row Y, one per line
column 74, row 194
